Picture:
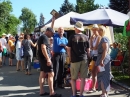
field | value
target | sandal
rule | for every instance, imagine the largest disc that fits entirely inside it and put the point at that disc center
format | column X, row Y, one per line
column 29, row 73
column 26, row 73
column 91, row 91
column 44, row 94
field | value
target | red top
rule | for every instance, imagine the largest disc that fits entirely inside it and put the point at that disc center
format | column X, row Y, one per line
column 128, row 27
column 117, row 63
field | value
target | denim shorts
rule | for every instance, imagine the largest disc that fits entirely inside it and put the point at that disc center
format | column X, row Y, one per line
column 94, row 58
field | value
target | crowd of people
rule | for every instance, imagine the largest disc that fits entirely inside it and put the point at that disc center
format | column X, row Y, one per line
column 51, row 50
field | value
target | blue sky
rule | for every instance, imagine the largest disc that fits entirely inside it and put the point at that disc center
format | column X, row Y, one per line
column 43, row 6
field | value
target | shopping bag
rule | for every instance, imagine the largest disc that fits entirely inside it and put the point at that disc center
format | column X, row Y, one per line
column 91, row 65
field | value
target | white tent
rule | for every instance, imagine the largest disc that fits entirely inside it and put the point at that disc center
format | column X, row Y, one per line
column 63, row 21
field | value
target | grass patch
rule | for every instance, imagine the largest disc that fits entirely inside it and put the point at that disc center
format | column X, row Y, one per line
column 122, row 79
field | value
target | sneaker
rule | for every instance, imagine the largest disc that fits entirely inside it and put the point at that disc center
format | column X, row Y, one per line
column 56, row 95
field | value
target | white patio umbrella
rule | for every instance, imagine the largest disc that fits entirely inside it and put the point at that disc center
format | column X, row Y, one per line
column 108, row 17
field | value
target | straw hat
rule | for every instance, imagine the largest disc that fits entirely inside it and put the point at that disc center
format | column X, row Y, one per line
column 79, row 26
column 3, row 34
column 95, row 26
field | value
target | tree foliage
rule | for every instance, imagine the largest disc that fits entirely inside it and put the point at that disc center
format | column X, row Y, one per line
column 8, row 22
column 122, row 40
column 67, row 7
column 86, row 6
column 12, row 24
column 120, row 5
column 28, row 19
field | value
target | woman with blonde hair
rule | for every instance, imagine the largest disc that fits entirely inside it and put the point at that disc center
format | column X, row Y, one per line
column 18, row 54
column 94, row 42
column 103, row 63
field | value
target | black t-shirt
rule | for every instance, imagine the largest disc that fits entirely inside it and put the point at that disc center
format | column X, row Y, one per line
column 79, row 45
column 43, row 40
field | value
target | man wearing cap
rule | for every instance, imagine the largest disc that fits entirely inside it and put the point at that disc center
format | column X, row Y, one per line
column 4, row 45
column 46, row 67
column 78, row 51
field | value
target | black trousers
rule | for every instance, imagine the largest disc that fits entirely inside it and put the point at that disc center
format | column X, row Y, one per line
column 58, row 66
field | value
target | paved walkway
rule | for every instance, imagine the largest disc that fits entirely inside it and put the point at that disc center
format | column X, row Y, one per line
column 17, row 84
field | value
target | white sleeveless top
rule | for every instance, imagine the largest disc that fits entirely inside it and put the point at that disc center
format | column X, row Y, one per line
column 94, row 41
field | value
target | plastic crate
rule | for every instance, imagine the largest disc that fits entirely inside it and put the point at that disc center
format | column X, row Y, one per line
column 36, row 65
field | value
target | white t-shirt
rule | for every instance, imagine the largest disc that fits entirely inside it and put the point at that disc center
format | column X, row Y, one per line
column 94, row 52
column 18, row 45
column 3, row 42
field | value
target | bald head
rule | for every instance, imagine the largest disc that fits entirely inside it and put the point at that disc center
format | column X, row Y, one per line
column 60, row 30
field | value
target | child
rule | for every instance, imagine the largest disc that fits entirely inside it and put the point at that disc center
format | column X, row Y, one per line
column 119, row 58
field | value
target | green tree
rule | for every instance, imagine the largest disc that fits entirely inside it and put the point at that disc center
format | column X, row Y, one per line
column 28, row 19
column 120, row 5
column 8, row 22
column 67, row 7
column 5, row 9
column 86, row 6
column 11, row 24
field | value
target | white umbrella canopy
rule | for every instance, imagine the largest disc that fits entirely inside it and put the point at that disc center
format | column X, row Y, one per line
column 108, row 17
column 63, row 21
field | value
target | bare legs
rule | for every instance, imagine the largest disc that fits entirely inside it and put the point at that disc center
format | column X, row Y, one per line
column 73, row 84
column 94, row 77
column 3, row 60
column 20, row 62
column 41, row 81
column 104, row 92
column 50, row 82
column 10, row 61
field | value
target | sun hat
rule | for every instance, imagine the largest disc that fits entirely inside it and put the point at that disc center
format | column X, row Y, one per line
column 3, row 34
column 79, row 26
column 95, row 26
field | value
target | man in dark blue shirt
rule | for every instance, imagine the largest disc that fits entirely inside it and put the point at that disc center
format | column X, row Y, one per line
column 59, row 49
column 46, row 66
